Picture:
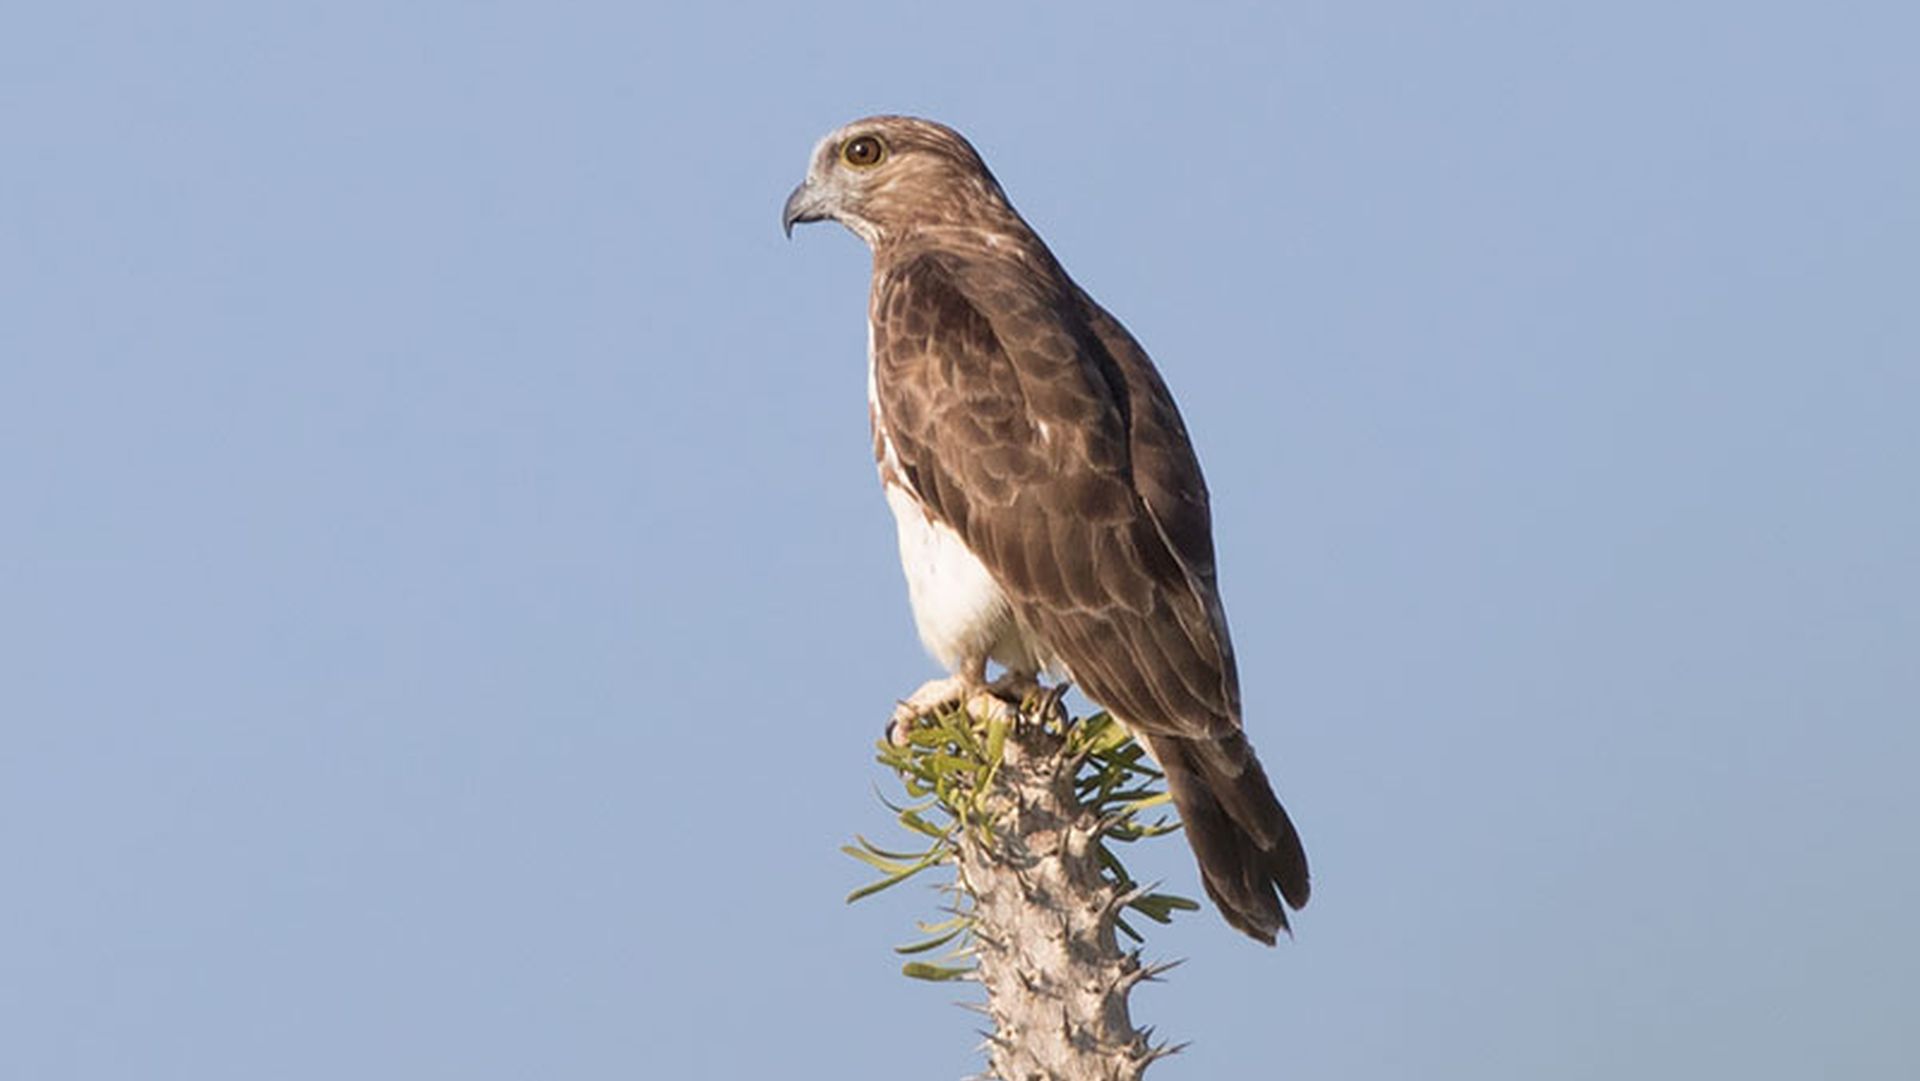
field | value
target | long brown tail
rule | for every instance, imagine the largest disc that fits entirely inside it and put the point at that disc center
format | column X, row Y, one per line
column 1246, row 845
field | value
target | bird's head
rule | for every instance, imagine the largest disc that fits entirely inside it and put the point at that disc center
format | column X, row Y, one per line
column 884, row 175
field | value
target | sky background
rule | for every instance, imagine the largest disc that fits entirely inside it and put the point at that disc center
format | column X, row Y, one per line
column 446, row 606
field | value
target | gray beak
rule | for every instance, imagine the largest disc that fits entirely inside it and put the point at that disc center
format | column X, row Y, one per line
column 802, row 206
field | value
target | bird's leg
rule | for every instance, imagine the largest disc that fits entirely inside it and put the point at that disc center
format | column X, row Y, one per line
column 1017, row 688
column 969, row 686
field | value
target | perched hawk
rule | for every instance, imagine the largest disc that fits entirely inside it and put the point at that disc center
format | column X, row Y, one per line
column 1051, row 512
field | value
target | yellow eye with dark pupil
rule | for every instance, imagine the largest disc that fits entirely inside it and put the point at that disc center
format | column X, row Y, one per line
column 863, row 153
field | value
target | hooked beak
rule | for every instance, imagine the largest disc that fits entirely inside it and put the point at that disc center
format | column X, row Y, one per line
column 803, row 205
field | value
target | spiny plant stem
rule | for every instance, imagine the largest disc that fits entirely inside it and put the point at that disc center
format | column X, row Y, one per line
column 1027, row 813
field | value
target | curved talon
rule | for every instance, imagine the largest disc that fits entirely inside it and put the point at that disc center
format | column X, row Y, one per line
column 1048, row 704
column 898, row 732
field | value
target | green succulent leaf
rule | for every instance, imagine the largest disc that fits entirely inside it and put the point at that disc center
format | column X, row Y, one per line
column 885, row 862
column 921, row 970
column 935, row 942
column 1160, row 907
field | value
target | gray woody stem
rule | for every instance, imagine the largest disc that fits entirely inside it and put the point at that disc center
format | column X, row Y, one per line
column 1057, row 979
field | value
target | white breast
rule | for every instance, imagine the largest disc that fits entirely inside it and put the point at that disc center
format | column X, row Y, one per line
column 959, row 609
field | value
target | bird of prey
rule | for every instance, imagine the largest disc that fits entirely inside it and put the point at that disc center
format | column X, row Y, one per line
column 1051, row 512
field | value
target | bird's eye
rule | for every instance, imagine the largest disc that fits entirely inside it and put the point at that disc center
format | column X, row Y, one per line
column 864, row 152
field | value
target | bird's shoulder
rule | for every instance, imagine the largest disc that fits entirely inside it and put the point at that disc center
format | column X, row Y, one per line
column 994, row 311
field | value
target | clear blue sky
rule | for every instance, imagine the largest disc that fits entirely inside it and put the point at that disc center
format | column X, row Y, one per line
column 446, row 606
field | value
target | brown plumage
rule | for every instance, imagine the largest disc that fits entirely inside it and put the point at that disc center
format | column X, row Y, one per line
column 1051, row 510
